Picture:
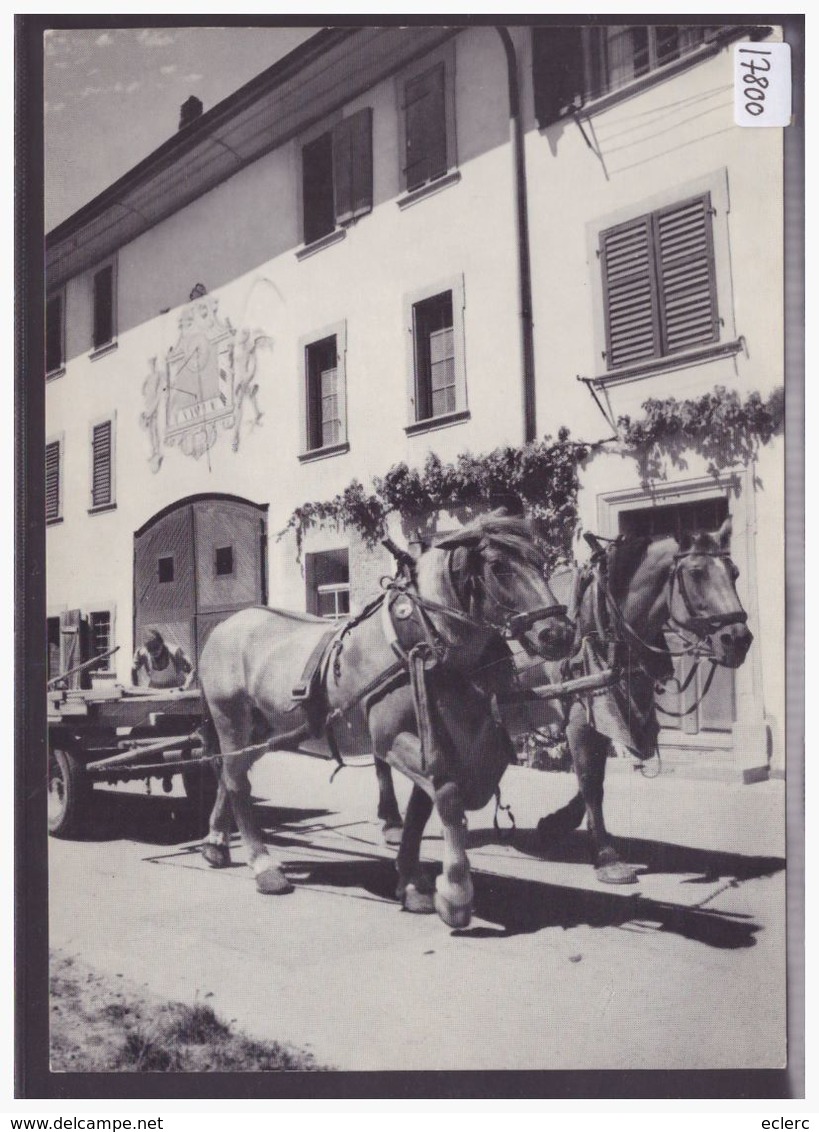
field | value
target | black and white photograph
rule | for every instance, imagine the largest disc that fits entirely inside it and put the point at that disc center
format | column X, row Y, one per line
column 411, row 660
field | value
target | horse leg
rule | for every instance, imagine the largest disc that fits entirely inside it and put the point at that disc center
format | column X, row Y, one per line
column 388, row 811
column 453, row 888
column 216, row 846
column 414, row 889
column 234, row 735
column 589, row 751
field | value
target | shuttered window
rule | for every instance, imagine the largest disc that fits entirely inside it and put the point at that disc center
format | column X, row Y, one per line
column 53, row 491
column 103, row 306
column 325, row 425
column 425, row 129
column 54, row 333
column 575, row 65
column 436, row 386
column 659, row 284
column 337, row 176
column 101, row 465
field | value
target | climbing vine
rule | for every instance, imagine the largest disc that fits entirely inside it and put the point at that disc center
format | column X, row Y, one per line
column 722, row 428
column 542, row 478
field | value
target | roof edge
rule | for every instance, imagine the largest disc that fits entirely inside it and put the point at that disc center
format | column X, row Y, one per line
column 191, row 135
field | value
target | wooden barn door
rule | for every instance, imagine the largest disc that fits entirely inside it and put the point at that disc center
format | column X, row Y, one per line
column 230, row 540
column 195, row 565
column 165, row 580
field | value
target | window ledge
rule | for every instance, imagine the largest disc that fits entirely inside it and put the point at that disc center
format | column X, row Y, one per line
column 324, row 453
column 101, row 351
column 428, row 190
column 53, row 522
column 53, row 374
column 323, row 242
column 102, row 507
column 431, row 423
column 637, row 86
column 672, row 362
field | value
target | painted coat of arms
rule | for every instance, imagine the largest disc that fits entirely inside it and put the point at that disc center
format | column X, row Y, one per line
column 206, row 381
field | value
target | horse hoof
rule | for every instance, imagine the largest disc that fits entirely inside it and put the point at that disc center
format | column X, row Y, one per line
column 415, row 899
column 273, row 882
column 617, row 872
column 217, row 856
column 453, row 915
column 392, row 834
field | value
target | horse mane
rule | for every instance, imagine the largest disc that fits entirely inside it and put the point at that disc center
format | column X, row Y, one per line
column 624, row 559
column 502, row 533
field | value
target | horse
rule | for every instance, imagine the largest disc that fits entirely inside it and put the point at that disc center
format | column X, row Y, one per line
column 631, row 594
column 403, row 669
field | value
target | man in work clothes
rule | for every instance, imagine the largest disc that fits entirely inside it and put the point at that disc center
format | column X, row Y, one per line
column 165, row 669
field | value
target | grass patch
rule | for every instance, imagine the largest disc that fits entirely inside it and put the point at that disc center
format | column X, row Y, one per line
column 98, row 1026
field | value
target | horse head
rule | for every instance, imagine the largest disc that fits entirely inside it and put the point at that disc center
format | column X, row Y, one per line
column 498, row 573
column 703, row 598
column 689, row 587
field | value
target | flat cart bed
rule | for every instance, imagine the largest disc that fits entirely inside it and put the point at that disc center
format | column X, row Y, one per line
column 117, row 734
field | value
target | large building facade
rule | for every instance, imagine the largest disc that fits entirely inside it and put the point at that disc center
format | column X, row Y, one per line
column 404, row 240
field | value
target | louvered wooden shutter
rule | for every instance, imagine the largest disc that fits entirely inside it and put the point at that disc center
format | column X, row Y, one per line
column 317, row 188
column 557, row 71
column 685, row 269
column 659, row 283
column 52, row 480
column 630, row 293
column 353, row 166
column 425, row 110
column 101, row 465
column 54, row 333
column 103, row 306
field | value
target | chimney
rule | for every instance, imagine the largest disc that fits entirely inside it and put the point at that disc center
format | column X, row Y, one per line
column 189, row 111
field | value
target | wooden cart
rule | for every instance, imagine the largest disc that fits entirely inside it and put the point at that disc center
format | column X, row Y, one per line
column 115, row 734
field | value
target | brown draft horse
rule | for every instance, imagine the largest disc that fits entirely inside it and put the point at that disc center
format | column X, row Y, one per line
column 633, row 593
column 456, row 601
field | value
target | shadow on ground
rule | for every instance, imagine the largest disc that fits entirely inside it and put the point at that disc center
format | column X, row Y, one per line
column 157, row 819
column 657, row 856
column 522, row 907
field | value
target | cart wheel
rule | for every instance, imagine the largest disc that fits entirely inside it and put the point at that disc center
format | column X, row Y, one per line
column 69, row 792
column 201, row 783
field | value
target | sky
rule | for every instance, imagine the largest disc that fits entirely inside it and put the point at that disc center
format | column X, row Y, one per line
column 112, row 95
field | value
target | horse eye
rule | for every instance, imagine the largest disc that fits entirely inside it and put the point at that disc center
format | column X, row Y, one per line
column 734, row 571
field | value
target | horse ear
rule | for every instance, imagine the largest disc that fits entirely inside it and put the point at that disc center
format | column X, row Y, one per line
column 724, row 534
column 687, row 541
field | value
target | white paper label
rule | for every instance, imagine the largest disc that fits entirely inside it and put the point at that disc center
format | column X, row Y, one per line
column 762, row 84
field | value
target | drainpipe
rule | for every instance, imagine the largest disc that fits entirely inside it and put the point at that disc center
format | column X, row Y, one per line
column 527, row 340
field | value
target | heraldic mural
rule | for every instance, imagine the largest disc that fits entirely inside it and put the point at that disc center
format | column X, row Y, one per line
column 206, row 383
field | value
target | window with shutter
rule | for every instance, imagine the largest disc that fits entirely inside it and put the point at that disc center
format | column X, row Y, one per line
column 54, row 334
column 659, row 283
column 103, row 307
column 324, row 417
column 99, row 625
column 436, row 392
column 53, row 490
column 425, row 127
column 575, row 65
column 101, row 465
column 337, row 176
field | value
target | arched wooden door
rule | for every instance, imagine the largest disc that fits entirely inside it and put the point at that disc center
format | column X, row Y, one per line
column 195, row 563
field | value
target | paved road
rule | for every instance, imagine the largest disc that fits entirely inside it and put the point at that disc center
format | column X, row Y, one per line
column 684, row 970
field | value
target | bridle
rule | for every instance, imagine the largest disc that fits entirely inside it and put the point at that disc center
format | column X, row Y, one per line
column 511, row 626
column 703, row 626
